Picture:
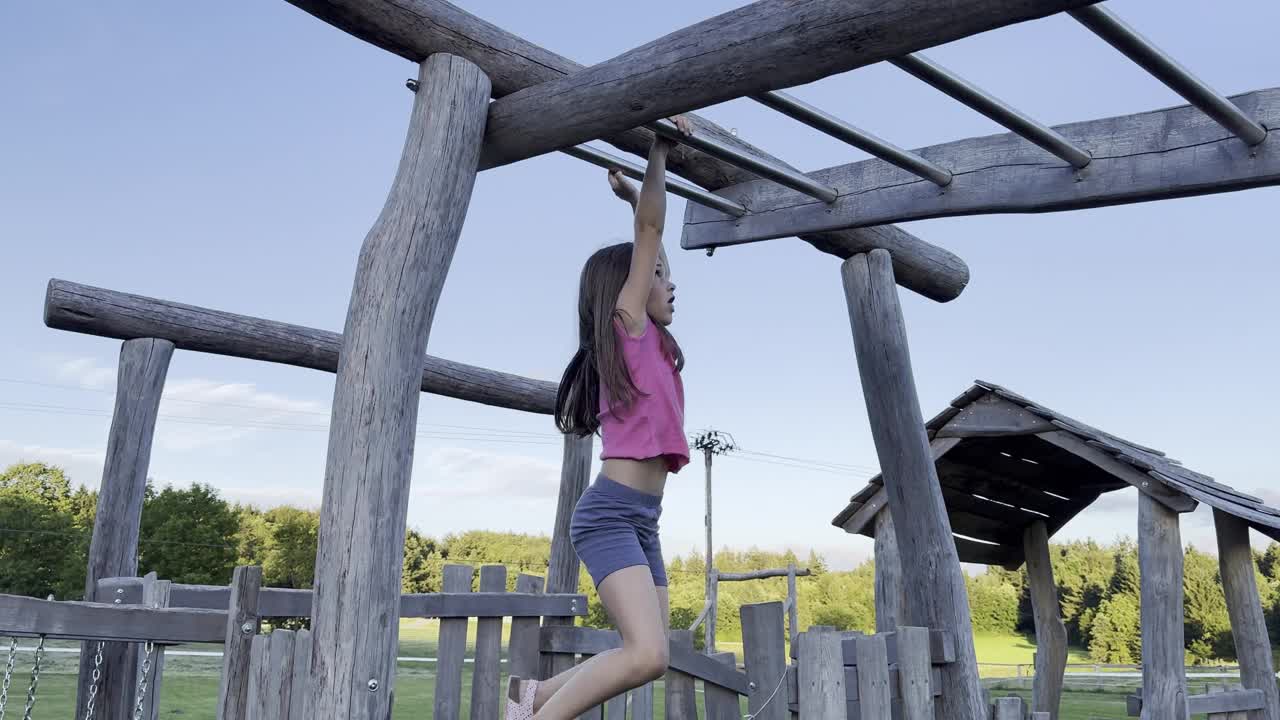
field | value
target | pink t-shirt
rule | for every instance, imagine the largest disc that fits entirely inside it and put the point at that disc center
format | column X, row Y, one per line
column 654, row 424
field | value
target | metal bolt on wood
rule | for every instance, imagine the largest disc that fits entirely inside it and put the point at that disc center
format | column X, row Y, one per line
column 373, row 686
column 247, row 628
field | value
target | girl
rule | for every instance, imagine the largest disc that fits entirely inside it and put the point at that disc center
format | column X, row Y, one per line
column 624, row 382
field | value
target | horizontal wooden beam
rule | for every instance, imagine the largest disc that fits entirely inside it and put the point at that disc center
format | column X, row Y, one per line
column 282, row 602
column 107, row 313
column 942, row 647
column 767, row 45
column 1172, row 498
column 415, row 29
column 590, row 641
column 1219, row 702
column 759, row 574
column 851, row 690
column 1171, row 153
column 71, row 620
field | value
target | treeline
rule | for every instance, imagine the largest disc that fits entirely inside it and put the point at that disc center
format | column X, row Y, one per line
column 192, row 535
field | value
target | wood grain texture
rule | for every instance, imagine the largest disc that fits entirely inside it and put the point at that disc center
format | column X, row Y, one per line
column 452, row 649
column 915, row 673
column 933, row 583
column 1169, row 153
column 888, row 571
column 760, row 574
column 765, row 657
column 1008, row 708
column 113, row 549
column 1164, row 687
column 1244, row 607
column 641, row 701
column 767, row 45
column 1051, row 634
column 993, row 416
column 564, row 568
column 1224, row 703
column 417, row 28
column 681, row 703
column 240, row 629
column 570, row 641
column 873, row 677
column 300, row 683
column 107, row 313
column 399, row 277
column 280, row 654
column 721, row 703
column 256, row 687
column 485, row 674
column 155, row 593
column 523, row 643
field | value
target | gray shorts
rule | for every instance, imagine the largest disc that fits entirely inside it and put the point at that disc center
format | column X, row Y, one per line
column 615, row 526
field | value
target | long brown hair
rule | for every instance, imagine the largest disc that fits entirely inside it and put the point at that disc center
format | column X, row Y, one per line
column 599, row 358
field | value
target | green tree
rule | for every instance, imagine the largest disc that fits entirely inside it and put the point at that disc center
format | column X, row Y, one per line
column 423, row 564
column 188, row 535
column 43, row 547
column 1208, row 628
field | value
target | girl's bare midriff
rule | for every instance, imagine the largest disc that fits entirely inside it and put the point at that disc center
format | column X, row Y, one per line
column 647, row 476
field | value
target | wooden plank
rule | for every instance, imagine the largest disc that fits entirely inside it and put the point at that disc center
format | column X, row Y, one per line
column 155, row 594
column 1168, row 153
column 256, row 685
column 992, row 416
column 559, row 639
column 400, row 274
column 486, row 672
column 641, row 700
column 1244, row 607
column 820, row 676
column 301, row 681
column 865, row 516
column 107, row 313
column 972, row 551
column 888, row 574
column 113, row 548
column 942, row 647
column 1164, row 687
column 420, row 29
column 452, row 649
column 616, row 708
column 765, row 656
column 1225, row 703
column 915, row 673
column 1051, row 634
column 680, row 701
column 280, row 653
column 760, row 574
column 282, row 602
column 933, row 583
column 964, row 475
column 1008, row 708
column 1173, row 499
column 734, row 54
column 721, row 703
column 523, row 649
column 240, row 626
column 934, row 678
column 564, row 567
column 873, row 676
column 22, row 616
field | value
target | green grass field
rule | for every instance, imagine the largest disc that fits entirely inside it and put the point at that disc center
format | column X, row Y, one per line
column 190, row 684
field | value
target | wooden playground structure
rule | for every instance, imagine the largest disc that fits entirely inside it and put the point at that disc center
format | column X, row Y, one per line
column 485, row 98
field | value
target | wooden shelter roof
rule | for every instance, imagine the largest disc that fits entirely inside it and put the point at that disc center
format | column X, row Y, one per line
column 1005, row 461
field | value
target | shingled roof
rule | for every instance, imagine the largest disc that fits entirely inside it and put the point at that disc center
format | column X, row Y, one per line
column 1004, row 462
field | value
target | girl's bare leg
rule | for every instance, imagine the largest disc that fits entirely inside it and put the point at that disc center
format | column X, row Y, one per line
column 634, row 605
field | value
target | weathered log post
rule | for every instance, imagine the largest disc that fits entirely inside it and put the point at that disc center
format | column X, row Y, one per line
column 564, row 567
column 933, row 583
column 1164, row 685
column 888, row 565
column 1244, row 607
column 401, row 271
column 113, row 550
column 1051, row 634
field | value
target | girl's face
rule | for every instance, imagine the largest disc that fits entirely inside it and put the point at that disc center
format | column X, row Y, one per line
column 661, row 305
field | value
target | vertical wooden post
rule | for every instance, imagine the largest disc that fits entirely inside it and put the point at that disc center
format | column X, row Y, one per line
column 888, row 568
column 915, row 668
column 242, row 628
column 486, row 673
column 681, row 703
column 564, row 567
column 933, row 583
column 721, row 703
column 523, row 648
column 709, row 592
column 256, row 685
column 399, row 277
column 155, row 593
column 1008, row 708
column 765, row 655
column 1051, row 634
column 1164, row 685
column 872, row 654
column 713, row 607
column 1244, row 607
column 641, row 700
column 452, row 650
column 299, row 709
column 113, row 549
column 793, row 604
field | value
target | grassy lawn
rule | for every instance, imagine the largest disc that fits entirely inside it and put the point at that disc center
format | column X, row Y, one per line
column 190, row 683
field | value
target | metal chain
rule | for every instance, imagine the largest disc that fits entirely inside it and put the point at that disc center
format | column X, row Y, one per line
column 142, row 681
column 93, row 682
column 35, row 680
column 8, row 675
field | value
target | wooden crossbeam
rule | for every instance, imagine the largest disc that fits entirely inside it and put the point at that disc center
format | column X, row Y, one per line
column 415, row 29
column 1170, row 153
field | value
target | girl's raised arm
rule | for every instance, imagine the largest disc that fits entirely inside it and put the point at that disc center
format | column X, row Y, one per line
column 650, row 218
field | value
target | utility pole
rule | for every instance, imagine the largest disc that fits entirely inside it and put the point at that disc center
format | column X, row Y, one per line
column 711, row 443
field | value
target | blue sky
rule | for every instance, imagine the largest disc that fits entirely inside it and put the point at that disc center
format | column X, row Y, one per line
column 234, row 155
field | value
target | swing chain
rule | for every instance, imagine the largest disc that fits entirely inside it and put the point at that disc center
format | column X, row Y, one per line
column 8, row 675
column 35, row 680
column 142, row 681
column 93, row 682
